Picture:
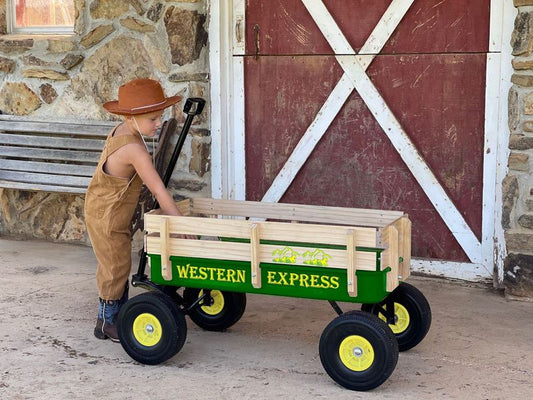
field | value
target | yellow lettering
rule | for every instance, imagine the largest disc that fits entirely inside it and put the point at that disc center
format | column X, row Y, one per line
column 192, row 274
column 241, row 276
column 293, row 277
column 324, row 282
column 334, row 282
column 231, row 275
column 303, row 280
column 283, row 278
column 183, row 270
column 220, row 275
column 314, row 281
column 203, row 273
column 271, row 278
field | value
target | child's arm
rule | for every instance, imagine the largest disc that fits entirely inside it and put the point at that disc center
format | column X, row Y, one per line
column 142, row 162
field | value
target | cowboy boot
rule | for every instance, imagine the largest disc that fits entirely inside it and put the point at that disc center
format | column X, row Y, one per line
column 105, row 324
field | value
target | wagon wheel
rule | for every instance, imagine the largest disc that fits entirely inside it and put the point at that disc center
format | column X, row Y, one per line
column 151, row 328
column 217, row 311
column 358, row 350
column 412, row 315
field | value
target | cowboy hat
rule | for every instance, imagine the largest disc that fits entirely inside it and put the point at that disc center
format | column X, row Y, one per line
column 140, row 96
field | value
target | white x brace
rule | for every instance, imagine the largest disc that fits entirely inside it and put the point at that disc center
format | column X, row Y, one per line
column 355, row 77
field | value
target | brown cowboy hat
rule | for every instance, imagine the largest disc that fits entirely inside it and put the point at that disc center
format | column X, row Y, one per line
column 140, row 96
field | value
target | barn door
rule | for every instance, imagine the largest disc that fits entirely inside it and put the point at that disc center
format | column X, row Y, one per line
column 373, row 104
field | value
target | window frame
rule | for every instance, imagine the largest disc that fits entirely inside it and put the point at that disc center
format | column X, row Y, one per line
column 36, row 30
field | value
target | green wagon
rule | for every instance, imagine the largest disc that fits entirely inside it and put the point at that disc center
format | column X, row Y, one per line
column 326, row 253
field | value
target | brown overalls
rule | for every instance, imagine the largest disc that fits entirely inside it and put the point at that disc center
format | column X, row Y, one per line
column 109, row 206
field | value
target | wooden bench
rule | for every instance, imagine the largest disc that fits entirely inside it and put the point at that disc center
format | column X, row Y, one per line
column 56, row 156
column 52, row 156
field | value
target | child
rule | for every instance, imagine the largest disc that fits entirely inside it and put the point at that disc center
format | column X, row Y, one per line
column 113, row 193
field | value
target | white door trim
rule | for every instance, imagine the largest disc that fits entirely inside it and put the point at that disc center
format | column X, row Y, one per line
column 227, row 126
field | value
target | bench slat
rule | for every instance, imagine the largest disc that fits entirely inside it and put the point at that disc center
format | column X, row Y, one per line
column 51, row 142
column 30, row 177
column 99, row 130
column 47, row 167
column 38, row 187
column 48, row 154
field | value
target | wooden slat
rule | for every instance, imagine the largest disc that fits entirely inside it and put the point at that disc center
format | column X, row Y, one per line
column 241, row 252
column 166, row 265
column 254, row 256
column 91, row 128
column 51, row 142
column 48, row 167
column 308, row 233
column 296, row 212
column 351, row 263
column 41, row 187
column 389, row 257
column 36, row 178
column 47, row 154
column 403, row 225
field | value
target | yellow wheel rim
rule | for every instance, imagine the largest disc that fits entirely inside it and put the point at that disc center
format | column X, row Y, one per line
column 218, row 302
column 356, row 353
column 147, row 329
column 401, row 316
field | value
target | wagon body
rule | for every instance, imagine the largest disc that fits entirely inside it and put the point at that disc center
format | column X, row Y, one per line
column 317, row 252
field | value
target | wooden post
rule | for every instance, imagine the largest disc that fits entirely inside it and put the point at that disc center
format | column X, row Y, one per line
column 351, row 277
column 404, row 246
column 254, row 257
column 166, row 266
column 389, row 257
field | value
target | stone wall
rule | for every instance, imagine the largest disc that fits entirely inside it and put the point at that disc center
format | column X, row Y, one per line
column 517, row 218
column 70, row 76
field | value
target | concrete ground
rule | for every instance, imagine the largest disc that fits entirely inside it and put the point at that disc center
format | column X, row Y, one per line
column 480, row 345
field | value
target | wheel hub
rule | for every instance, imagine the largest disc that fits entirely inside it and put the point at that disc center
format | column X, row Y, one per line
column 356, row 353
column 147, row 330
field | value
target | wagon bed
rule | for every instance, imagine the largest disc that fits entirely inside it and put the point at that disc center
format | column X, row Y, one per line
column 331, row 253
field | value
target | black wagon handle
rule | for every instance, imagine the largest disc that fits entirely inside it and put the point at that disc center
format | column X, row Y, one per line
column 193, row 107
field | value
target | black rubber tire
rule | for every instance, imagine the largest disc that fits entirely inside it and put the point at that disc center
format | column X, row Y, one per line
column 418, row 309
column 358, row 327
column 232, row 310
column 159, row 346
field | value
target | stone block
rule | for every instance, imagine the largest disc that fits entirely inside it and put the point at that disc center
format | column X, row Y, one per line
column 520, row 142
column 60, row 46
column 518, row 162
column 112, row 9
column 48, row 93
column 518, row 275
column 18, row 99
column 522, row 80
column 15, row 46
column 519, row 242
column 45, row 73
column 137, row 25
column 200, row 157
column 42, row 215
column 522, row 64
column 186, row 34
column 522, row 3
column 522, row 36
column 513, row 111
column 96, row 35
column 7, row 65
column 526, row 221
column 510, row 193
column 71, row 60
